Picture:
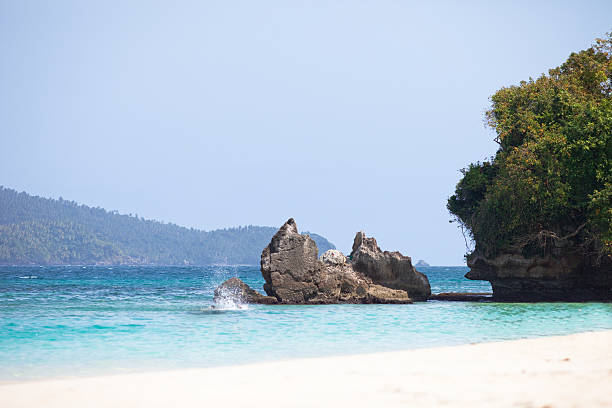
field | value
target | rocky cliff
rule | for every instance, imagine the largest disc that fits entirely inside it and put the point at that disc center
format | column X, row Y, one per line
column 561, row 275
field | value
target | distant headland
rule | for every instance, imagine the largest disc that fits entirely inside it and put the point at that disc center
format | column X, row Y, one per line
column 43, row 231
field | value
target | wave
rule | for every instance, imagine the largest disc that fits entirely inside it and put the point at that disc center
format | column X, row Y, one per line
column 228, row 301
column 222, row 305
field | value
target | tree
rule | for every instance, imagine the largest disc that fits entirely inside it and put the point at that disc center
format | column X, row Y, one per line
column 551, row 178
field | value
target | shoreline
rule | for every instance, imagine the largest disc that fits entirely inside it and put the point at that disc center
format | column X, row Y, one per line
column 139, row 369
column 558, row 371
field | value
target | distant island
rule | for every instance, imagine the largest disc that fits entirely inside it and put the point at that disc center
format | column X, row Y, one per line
column 421, row 262
column 42, row 231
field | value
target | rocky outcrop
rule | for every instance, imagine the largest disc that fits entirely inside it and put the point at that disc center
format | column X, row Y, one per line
column 390, row 269
column 333, row 257
column 290, row 267
column 236, row 291
column 568, row 276
column 294, row 275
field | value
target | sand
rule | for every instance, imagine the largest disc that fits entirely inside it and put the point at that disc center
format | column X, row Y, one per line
column 564, row 371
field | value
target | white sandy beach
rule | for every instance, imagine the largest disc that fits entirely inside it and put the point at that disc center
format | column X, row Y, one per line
column 564, row 371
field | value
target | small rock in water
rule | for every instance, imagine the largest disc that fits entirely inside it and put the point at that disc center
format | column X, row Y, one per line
column 237, row 292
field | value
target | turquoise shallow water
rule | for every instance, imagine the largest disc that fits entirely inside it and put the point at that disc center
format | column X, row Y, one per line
column 72, row 321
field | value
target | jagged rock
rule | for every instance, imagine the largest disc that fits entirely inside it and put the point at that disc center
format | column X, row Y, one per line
column 294, row 275
column 290, row 267
column 390, row 269
column 333, row 257
column 238, row 292
column 562, row 276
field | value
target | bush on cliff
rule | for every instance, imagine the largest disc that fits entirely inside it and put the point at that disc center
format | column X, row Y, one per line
column 550, row 182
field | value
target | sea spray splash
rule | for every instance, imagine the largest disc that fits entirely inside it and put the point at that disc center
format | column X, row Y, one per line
column 228, row 300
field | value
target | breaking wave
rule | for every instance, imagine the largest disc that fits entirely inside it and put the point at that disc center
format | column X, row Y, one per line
column 227, row 300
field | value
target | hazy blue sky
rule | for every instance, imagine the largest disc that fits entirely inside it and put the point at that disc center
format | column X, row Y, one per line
column 346, row 115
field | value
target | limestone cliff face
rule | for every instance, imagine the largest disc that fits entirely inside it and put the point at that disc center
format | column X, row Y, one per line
column 563, row 275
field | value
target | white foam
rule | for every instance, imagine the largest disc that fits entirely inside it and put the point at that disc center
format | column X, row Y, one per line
column 229, row 301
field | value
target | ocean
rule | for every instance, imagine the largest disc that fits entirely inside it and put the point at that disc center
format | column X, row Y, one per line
column 68, row 321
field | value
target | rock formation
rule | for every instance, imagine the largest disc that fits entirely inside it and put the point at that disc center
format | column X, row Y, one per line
column 239, row 292
column 390, row 269
column 294, row 275
column 333, row 257
column 559, row 276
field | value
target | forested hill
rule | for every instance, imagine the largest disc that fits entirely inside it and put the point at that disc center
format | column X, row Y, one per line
column 42, row 231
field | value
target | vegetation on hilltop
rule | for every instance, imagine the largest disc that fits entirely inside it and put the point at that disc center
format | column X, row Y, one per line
column 36, row 230
column 550, row 182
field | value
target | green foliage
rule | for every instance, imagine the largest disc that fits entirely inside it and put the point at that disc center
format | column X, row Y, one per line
column 35, row 230
column 471, row 190
column 551, row 178
column 48, row 242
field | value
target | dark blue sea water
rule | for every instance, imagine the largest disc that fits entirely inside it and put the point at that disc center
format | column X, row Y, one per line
column 73, row 321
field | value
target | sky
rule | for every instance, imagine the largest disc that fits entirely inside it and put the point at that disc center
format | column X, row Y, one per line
column 346, row 115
